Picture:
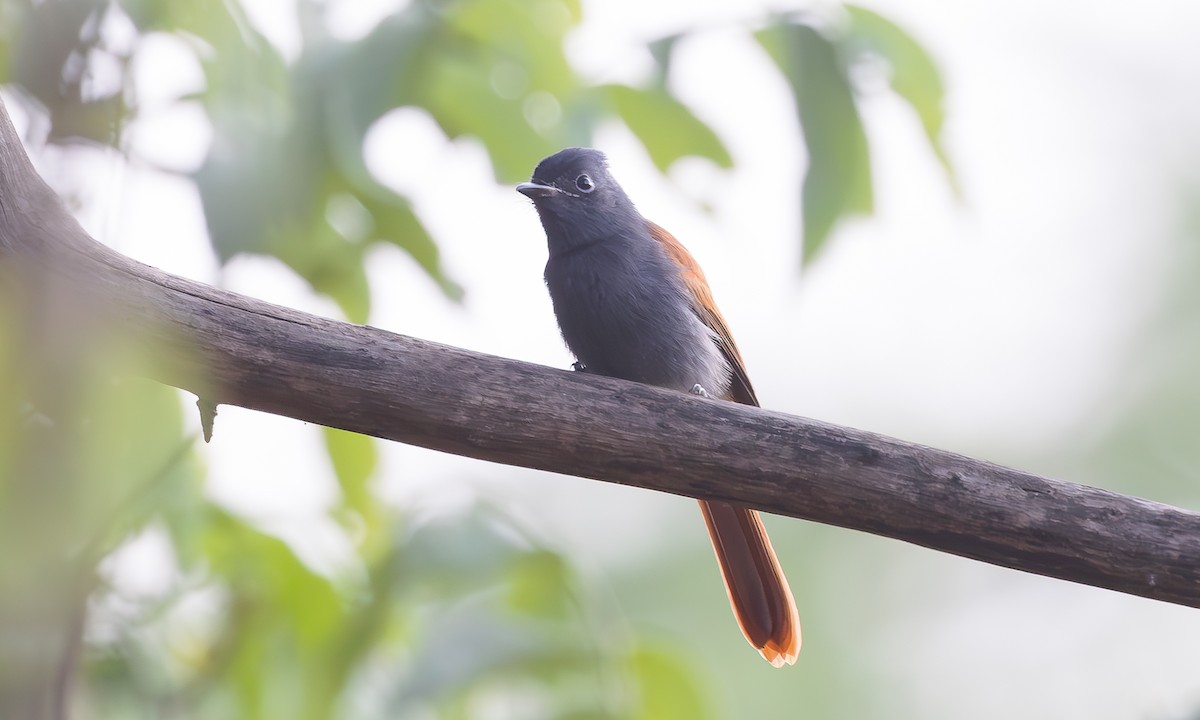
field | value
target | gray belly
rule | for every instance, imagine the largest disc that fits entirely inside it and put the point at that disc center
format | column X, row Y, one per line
column 632, row 320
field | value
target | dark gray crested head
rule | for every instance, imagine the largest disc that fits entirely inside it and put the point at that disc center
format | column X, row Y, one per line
column 579, row 202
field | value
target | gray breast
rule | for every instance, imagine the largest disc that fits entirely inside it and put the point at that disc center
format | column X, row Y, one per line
column 624, row 312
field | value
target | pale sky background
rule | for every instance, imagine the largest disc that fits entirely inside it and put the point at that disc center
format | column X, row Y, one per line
column 994, row 326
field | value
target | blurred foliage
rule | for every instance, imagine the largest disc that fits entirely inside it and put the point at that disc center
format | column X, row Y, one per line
column 838, row 180
column 285, row 174
column 1149, row 448
column 819, row 60
column 449, row 616
column 459, row 617
column 435, row 618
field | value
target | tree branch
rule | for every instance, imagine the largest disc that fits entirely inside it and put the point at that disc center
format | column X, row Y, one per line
column 236, row 350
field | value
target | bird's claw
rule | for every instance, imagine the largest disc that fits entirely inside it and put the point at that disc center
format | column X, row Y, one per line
column 578, row 367
column 698, row 389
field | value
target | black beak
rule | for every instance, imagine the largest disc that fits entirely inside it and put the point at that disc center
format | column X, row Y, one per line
column 537, row 190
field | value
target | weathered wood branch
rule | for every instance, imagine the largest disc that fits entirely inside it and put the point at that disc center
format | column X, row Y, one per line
column 236, row 350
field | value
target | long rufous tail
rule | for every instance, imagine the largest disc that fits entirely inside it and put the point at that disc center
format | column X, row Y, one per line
column 759, row 593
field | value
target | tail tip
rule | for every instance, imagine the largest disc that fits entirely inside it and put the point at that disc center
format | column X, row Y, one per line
column 780, row 656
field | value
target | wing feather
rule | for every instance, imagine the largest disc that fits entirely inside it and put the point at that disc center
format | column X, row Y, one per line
column 740, row 389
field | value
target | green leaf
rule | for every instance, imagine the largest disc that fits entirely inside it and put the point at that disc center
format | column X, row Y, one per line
column 396, row 223
column 495, row 70
column 529, row 33
column 354, row 84
column 539, row 583
column 333, row 266
column 457, row 557
column 261, row 176
column 493, row 618
column 222, row 24
column 668, row 690
column 287, row 156
column 837, row 183
column 354, row 458
column 267, row 576
column 468, row 644
column 461, row 97
column 914, row 75
column 663, row 52
column 137, row 461
column 665, row 126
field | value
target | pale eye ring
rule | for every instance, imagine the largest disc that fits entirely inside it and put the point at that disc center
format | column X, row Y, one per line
column 584, row 183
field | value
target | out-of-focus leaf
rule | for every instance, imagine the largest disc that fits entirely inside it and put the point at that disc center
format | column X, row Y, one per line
column 333, row 266
column 460, row 95
column 529, row 33
column 50, row 46
column 537, row 584
column 1149, row 447
column 455, row 556
column 666, row 127
column 468, row 643
column 137, row 427
column 265, row 572
column 394, row 222
column 283, row 626
column 837, row 183
column 348, row 108
column 914, row 75
column 12, row 18
column 355, row 84
column 285, row 155
column 667, row 690
column 663, row 52
column 253, row 183
column 495, row 69
column 136, row 459
column 222, row 24
column 247, row 629
column 263, row 193
column 354, row 458
column 509, row 632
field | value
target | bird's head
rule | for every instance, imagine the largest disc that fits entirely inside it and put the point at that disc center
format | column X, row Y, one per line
column 578, row 200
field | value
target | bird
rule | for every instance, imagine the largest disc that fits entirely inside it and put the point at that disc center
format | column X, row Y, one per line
column 632, row 303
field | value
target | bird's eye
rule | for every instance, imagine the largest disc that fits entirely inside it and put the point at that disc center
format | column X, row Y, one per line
column 585, row 184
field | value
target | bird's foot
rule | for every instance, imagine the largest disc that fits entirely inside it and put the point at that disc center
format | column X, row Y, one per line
column 698, row 389
column 579, row 367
